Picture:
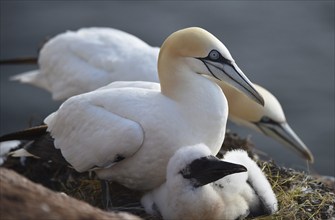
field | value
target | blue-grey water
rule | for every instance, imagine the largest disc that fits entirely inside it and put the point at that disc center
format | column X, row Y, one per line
column 286, row 46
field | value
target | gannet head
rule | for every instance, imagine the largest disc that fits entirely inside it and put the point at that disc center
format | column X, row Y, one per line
column 195, row 166
column 268, row 119
column 194, row 50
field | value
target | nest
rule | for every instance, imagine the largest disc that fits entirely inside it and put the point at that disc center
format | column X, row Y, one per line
column 300, row 196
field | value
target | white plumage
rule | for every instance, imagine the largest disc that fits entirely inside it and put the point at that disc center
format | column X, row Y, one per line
column 80, row 61
column 230, row 197
column 130, row 132
column 250, row 191
column 5, row 147
column 77, row 62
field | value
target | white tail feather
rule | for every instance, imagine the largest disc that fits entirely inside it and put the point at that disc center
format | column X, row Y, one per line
column 32, row 78
column 25, row 77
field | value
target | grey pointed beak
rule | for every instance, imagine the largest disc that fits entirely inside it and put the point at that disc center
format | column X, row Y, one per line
column 209, row 169
column 229, row 72
column 283, row 133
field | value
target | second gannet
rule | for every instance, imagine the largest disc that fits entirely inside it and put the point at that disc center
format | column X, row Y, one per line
column 128, row 134
column 269, row 119
column 80, row 61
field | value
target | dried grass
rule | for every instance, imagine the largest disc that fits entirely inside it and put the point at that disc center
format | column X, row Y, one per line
column 300, row 196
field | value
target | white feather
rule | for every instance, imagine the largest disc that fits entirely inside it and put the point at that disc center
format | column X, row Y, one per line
column 230, row 197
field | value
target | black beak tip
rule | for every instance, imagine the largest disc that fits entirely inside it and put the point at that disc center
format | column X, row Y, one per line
column 243, row 169
column 239, row 169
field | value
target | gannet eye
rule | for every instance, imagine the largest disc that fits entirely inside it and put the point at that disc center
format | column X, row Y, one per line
column 267, row 120
column 214, row 55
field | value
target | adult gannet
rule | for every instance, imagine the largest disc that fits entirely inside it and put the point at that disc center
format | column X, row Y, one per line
column 80, row 61
column 200, row 186
column 269, row 119
column 72, row 63
column 128, row 134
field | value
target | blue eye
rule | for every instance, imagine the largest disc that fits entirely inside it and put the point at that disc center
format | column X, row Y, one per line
column 214, row 55
column 266, row 119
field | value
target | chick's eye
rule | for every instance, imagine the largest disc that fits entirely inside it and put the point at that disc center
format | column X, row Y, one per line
column 214, row 55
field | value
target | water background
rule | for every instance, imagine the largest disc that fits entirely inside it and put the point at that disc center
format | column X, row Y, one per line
column 285, row 46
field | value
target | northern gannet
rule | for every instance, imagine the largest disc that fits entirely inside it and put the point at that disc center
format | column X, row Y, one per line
column 128, row 134
column 200, row 186
column 269, row 119
column 80, row 61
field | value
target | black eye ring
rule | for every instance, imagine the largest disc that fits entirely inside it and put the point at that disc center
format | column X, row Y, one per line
column 214, row 55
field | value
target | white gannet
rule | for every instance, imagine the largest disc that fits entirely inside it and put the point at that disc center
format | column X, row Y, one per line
column 128, row 134
column 80, row 61
column 200, row 186
column 250, row 190
column 269, row 119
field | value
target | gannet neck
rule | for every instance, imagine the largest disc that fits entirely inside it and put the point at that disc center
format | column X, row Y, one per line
column 197, row 96
column 170, row 72
column 237, row 100
column 180, row 82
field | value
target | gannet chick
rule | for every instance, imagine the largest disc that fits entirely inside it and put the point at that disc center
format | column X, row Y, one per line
column 128, row 134
column 186, row 193
column 234, row 195
column 250, row 190
column 80, row 61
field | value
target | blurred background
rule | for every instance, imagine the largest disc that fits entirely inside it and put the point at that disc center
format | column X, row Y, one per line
column 287, row 47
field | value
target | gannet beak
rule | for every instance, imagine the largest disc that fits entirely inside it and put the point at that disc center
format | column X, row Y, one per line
column 228, row 71
column 209, row 169
column 284, row 133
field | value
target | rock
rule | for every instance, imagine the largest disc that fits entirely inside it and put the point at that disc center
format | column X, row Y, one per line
column 22, row 199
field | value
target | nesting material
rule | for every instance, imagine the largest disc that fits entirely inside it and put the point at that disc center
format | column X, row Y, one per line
column 300, row 196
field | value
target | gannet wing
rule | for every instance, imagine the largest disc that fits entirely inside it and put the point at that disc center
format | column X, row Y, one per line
column 96, row 137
